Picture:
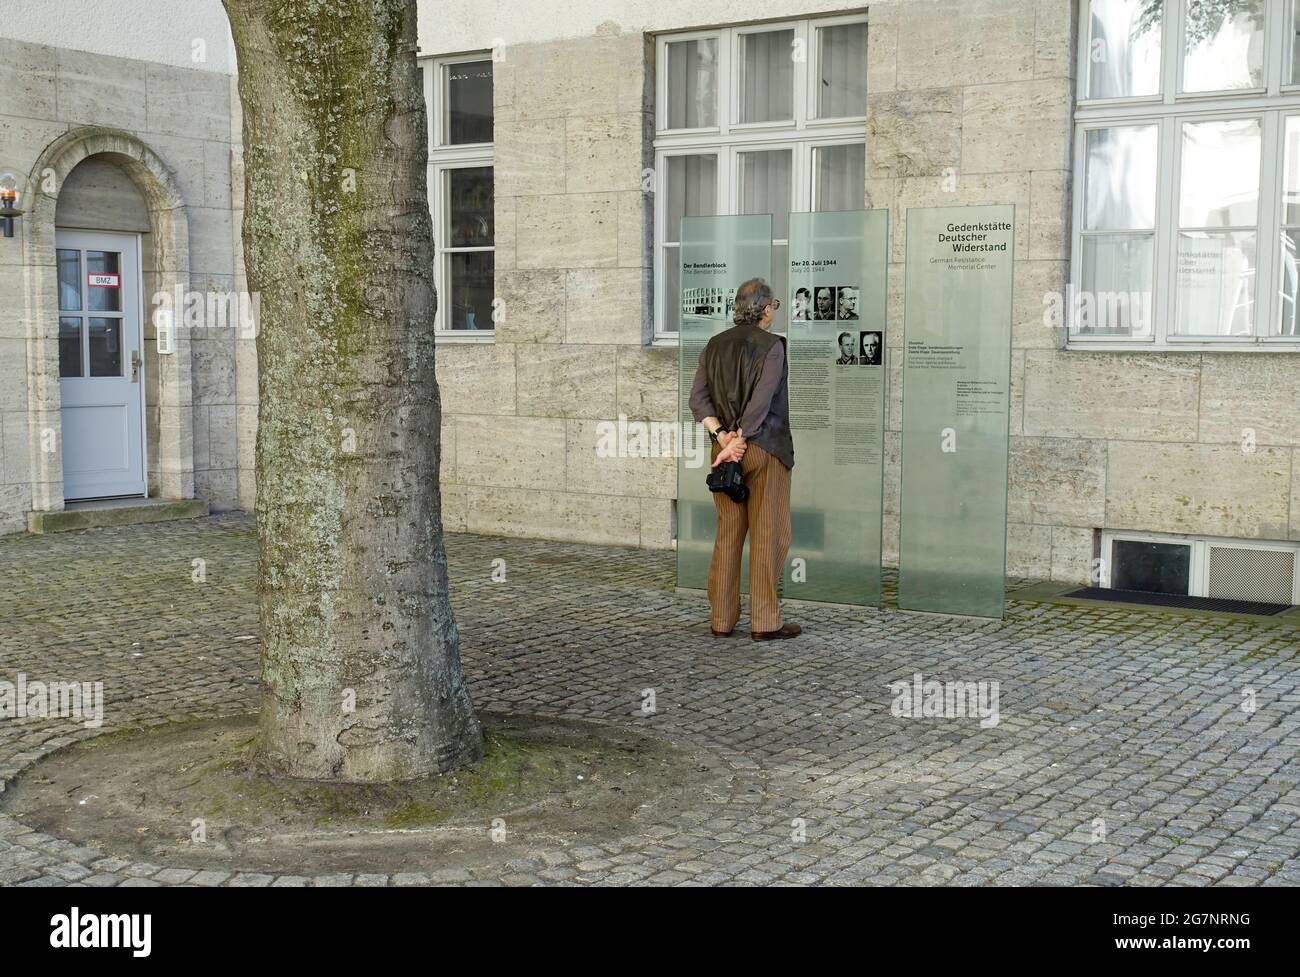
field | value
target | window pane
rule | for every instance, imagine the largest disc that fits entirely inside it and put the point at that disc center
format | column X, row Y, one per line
column 672, row 265
column 1159, row 568
column 69, row 260
column 766, row 76
column 1289, row 324
column 70, row 346
column 101, row 298
column 1220, row 178
column 1216, row 283
column 841, row 177
column 1116, row 287
column 693, row 84
column 1223, row 45
column 1291, row 171
column 1295, row 44
column 842, row 60
column 105, row 347
column 469, row 193
column 469, row 102
column 692, row 185
column 765, row 187
column 1120, row 189
column 470, row 294
column 1124, row 48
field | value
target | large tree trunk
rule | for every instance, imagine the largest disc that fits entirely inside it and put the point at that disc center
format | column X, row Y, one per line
column 361, row 676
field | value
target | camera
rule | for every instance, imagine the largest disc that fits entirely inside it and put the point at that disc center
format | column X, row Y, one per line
column 728, row 478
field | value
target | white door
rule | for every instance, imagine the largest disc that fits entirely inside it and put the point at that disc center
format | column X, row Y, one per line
column 100, row 371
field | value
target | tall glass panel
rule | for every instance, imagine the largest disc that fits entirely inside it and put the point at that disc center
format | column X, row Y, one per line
column 1223, row 45
column 1218, row 217
column 717, row 255
column 837, row 404
column 1124, row 48
column 693, row 84
column 767, row 76
column 956, row 404
column 842, row 71
column 1118, row 254
column 69, row 265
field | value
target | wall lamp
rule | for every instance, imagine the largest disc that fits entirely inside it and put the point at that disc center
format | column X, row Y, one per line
column 9, row 184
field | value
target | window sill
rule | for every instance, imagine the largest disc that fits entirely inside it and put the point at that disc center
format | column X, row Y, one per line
column 1138, row 346
column 468, row 337
column 664, row 342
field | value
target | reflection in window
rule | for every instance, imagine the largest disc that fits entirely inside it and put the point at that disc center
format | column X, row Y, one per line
column 841, row 177
column 69, row 262
column 693, row 84
column 766, row 77
column 1118, row 256
column 69, row 346
column 1288, row 321
column 1218, row 235
column 1223, row 45
column 471, row 290
column 104, row 298
column 105, row 342
column 470, row 206
column 842, row 74
column 469, row 103
column 1124, row 48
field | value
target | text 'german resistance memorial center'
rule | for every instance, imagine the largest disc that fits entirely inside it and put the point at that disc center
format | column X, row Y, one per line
column 956, row 378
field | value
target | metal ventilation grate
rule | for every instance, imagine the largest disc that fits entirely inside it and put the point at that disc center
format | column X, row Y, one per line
column 1239, row 573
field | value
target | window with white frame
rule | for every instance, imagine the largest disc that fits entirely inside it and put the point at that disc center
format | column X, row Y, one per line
column 758, row 119
column 458, row 92
column 1187, row 175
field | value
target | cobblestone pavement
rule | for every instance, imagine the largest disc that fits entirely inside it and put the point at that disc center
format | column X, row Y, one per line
column 1123, row 755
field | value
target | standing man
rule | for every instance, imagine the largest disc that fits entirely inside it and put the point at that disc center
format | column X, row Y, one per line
column 740, row 397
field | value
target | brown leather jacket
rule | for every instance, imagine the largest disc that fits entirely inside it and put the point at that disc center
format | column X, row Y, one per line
column 733, row 363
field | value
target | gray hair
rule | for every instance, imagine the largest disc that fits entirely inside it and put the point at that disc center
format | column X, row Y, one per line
column 752, row 298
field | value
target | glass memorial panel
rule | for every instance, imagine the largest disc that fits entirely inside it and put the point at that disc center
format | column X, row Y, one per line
column 956, row 404
column 717, row 255
column 837, row 377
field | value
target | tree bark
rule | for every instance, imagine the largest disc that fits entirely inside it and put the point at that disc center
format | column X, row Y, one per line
column 361, row 675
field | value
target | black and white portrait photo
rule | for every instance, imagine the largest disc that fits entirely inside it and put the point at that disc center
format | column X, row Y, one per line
column 871, row 348
column 802, row 311
column 848, row 302
column 848, row 353
column 824, row 303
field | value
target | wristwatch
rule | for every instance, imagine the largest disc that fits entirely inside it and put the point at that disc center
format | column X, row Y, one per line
column 713, row 435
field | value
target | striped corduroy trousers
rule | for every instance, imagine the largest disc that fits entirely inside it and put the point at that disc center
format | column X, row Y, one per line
column 765, row 516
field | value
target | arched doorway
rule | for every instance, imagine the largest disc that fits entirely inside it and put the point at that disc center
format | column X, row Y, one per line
column 103, row 200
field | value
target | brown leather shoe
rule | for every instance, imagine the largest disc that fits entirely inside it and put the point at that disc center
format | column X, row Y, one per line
column 784, row 631
column 722, row 634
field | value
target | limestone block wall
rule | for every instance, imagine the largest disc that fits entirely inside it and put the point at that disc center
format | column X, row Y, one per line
column 573, row 133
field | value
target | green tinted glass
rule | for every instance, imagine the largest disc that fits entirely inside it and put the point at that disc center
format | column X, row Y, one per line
column 956, row 397
column 838, row 298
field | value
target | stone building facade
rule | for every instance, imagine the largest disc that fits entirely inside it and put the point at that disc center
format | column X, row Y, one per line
column 554, row 231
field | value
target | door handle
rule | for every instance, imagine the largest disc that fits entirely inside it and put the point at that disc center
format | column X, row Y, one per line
column 135, row 366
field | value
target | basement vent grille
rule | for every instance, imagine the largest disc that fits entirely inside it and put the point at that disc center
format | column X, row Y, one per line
column 1239, row 573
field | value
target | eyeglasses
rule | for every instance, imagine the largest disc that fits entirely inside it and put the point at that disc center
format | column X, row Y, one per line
column 776, row 305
